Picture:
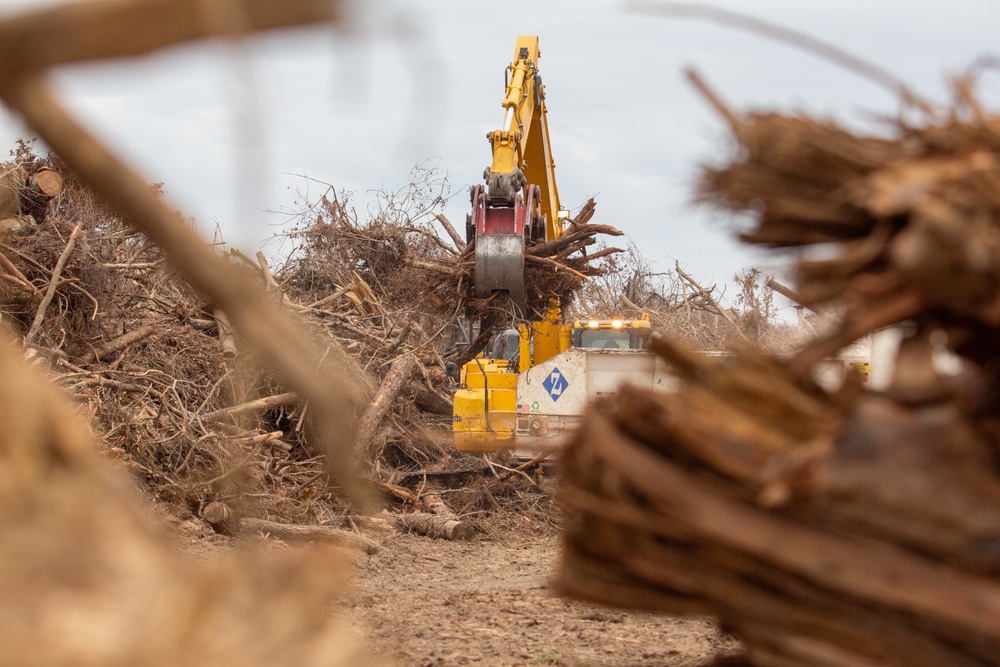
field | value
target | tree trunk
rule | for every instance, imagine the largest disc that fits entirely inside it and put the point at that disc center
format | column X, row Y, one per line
column 39, row 190
column 226, row 338
column 371, row 422
column 439, row 521
column 433, row 525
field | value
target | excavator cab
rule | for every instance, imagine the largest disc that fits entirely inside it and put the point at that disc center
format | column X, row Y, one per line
column 507, row 346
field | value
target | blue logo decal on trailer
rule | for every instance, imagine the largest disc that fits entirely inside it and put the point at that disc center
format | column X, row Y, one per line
column 555, row 384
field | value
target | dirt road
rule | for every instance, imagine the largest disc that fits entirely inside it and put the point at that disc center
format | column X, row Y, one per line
column 431, row 602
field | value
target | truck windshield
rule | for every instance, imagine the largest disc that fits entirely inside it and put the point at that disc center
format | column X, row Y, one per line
column 605, row 339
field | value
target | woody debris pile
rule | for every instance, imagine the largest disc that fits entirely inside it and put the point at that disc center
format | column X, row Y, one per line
column 825, row 528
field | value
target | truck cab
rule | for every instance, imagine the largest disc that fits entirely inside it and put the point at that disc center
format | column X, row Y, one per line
column 611, row 334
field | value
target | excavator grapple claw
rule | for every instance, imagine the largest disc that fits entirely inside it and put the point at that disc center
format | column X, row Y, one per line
column 500, row 240
column 500, row 266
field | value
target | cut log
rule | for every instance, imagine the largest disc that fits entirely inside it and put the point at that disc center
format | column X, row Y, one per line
column 435, row 505
column 433, row 525
column 46, row 182
column 293, row 533
column 203, row 324
column 225, row 522
column 441, row 522
column 226, row 338
column 454, row 527
column 372, row 421
column 118, row 344
column 39, row 190
column 266, row 403
column 222, row 519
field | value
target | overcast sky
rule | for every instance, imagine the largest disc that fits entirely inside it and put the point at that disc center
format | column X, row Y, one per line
column 226, row 129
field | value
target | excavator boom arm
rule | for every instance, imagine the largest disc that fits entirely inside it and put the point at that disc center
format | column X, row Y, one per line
column 520, row 202
column 522, row 144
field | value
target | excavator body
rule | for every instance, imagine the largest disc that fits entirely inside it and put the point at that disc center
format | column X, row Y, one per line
column 509, row 401
column 531, row 385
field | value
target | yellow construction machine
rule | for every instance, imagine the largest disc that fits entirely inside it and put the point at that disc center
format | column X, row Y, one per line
column 532, row 383
column 508, row 400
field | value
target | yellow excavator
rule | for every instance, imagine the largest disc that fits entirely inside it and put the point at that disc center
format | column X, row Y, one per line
column 533, row 382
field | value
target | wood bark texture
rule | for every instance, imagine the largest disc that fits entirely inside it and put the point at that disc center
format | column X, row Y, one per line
column 39, row 190
column 803, row 542
column 373, row 419
column 227, row 340
column 258, row 405
column 433, row 525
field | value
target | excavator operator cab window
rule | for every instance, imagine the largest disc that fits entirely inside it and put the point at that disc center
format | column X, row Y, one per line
column 609, row 339
column 507, row 345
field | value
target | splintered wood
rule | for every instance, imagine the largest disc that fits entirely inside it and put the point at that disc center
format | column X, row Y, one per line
column 824, row 527
column 914, row 218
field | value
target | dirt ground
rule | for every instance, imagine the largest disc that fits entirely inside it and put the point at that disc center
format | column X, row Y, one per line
column 425, row 602
column 419, row 602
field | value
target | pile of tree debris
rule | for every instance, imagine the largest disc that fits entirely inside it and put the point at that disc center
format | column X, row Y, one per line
column 90, row 578
column 183, row 402
column 825, row 528
column 555, row 272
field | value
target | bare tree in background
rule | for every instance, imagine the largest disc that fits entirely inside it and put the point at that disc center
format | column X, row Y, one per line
column 682, row 307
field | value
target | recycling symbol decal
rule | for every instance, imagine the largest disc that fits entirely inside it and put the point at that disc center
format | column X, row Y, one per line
column 555, row 384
